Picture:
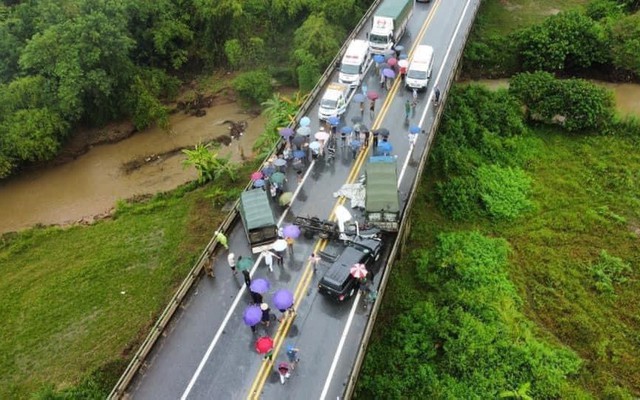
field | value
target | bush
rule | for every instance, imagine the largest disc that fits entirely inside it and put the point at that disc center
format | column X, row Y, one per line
column 459, row 198
column 603, row 9
column 566, row 41
column 575, row 104
column 625, row 43
column 253, row 87
column 607, row 271
column 503, row 191
column 245, row 54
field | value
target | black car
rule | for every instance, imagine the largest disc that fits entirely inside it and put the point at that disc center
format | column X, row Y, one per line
column 338, row 283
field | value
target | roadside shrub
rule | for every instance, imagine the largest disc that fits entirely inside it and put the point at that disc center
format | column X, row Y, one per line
column 625, row 43
column 494, row 57
column 607, row 271
column 503, row 191
column 602, row 9
column 253, row 87
column 245, row 54
column 575, row 104
column 458, row 197
column 566, row 41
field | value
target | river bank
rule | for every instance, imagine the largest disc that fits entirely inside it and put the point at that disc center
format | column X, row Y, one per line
column 88, row 187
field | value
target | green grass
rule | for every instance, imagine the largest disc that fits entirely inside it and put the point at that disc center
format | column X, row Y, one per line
column 77, row 300
column 586, row 192
column 505, row 16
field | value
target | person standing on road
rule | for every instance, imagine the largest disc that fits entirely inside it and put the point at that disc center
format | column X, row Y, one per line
column 222, row 239
column 247, row 277
column 407, row 109
column 372, row 109
column 290, row 242
column 231, row 259
column 266, row 314
column 283, row 371
column 292, row 355
column 256, row 297
column 314, row 260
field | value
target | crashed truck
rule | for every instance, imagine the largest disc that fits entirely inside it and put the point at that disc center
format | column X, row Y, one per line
column 382, row 201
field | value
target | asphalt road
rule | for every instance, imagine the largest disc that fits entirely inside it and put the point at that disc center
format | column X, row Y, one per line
column 207, row 352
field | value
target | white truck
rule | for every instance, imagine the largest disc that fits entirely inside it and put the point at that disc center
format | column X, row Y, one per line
column 389, row 24
column 420, row 67
column 354, row 63
column 334, row 101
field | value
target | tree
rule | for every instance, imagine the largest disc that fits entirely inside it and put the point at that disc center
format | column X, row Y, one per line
column 253, row 86
column 625, row 43
column 210, row 167
column 318, row 39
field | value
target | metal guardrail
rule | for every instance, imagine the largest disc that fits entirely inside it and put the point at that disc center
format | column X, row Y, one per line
column 158, row 328
column 404, row 227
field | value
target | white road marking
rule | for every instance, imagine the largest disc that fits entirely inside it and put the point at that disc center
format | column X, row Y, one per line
column 347, row 327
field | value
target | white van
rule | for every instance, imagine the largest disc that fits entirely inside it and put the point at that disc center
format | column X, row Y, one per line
column 420, row 67
column 334, row 101
column 354, row 63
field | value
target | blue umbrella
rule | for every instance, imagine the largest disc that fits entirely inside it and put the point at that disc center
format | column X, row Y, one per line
column 299, row 154
column 304, row 131
column 305, row 121
column 359, row 98
column 403, row 56
column 399, row 48
column 355, row 144
column 378, row 58
column 346, row 129
column 267, row 171
column 334, row 120
column 258, row 183
column 414, row 129
column 384, row 147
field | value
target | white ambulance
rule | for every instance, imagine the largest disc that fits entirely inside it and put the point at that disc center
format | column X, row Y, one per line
column 354, row 63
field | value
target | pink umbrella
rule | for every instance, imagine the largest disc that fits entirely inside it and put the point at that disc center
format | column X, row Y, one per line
column 392, row 61
column 359, row 271
column 256, row 175
column 264, row 345
column 372, row 95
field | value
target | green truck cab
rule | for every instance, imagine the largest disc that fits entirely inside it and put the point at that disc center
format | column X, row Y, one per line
column 258, row 220
column 382, row 202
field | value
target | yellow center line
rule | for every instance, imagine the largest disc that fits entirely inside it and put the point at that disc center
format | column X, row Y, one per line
column 321, row 244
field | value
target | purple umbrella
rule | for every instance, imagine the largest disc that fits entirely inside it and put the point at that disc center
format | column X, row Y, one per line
column 292, row 231
column 282, row 299
column 285, row 132
column 260, row 285
column 252, row 315
column 388, row 73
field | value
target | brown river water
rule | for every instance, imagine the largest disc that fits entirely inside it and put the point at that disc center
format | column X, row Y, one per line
column 91, row 184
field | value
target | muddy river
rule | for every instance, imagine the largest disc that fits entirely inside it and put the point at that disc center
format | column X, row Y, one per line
column 91, row 184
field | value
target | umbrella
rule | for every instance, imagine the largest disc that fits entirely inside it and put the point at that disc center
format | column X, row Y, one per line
column 359, row 98
column 383, row 66
column 285, row 198
column 356, row 119
column 382, row 131
column 403, row 63
column 334, row 120
column 260, row 285
column 268, row 170
column 299, row 154
column 256, row 175
column 359, row 271
column 388, row 73
column 258, row 183
column 378, row 58
column 399, row 48
column 282, row 299
column 244, row 264
column 285, row 132
column 315, row 145
column 346, row 129
column 414, row 129
column 298, row 140
column 280, row 244
column 304, row 131
column 292, row 231
column 385, row 147
column 355, row 144
column 372, row 95
column 264, row 344
column 278, row 178
column 280, row 162
column 403, row 56
column 392, row 61
column 305, row 121
column 252, row 315
column 322, row 135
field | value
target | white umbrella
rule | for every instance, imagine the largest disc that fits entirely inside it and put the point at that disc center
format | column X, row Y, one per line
column 359, row 271
column 304, row 131
column 279, row 245
column 315, row 145
column 322, row 135
column 403, row 63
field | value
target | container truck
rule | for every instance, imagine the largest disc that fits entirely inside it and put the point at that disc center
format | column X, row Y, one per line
column 382, row 203
column 389, row 24
column 258, row 220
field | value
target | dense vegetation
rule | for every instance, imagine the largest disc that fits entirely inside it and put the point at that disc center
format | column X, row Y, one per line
column 522, row 279
column 601, row 39
column 66, row 64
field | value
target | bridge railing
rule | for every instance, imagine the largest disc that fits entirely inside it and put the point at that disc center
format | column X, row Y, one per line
column 404, row 229
column 194, row 274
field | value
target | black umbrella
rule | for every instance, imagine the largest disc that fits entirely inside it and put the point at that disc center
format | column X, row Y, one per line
column 382, row 131
column 356, row 119
column 298, row 140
